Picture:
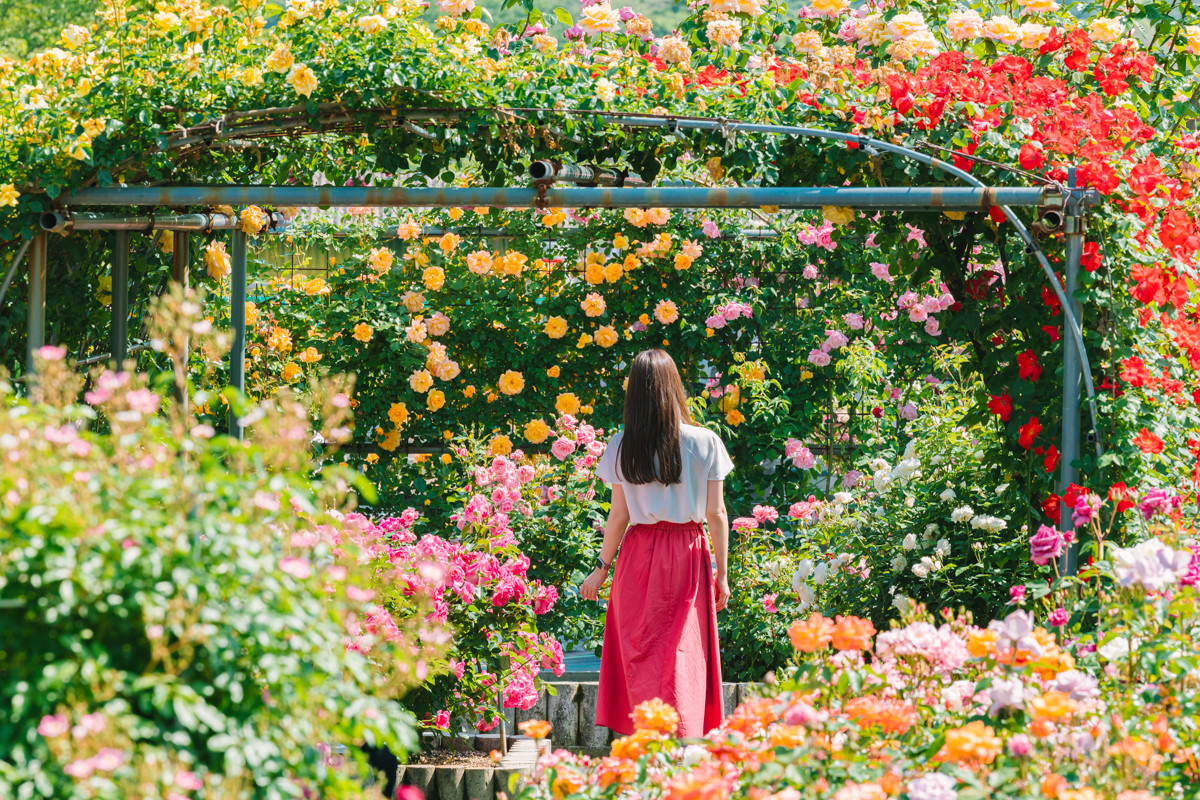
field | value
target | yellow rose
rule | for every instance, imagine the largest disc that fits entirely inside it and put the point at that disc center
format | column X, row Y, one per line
column 666, row 312
column 8, row 195
column 554, row 371
column 644, row 319
column 511, row 382
column 830, row 8
column 501, row 445
column 537, row 431
column 612, row 272
column 567, row 403
column 621, row 241
column 291, row 372
column 363, row 332
column 434, row 278
column 838, row 215
column 682, row 261
column 252, row 317
column 302, row 79
column 480, row 262
column 75, row 36
column 217, row 261
column 281, row 60
column 555, row 328
column 435, row 399
column 252, row 220
column 316, row 286
column 455, row 214
column 413, row 301
column 734, row 417
column 391, row 441
column 449, row 242
column 251, row 76
column 593, row 305
column 446, row 458
column 280, row 340
column 420, row 381
column 594, row 273
column 381, row 259
column 606, row 336
column 310, row 355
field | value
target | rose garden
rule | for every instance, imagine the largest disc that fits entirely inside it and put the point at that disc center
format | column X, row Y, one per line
column 315, row 322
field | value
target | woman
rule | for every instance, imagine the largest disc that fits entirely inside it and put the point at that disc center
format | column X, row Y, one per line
column 660, row 635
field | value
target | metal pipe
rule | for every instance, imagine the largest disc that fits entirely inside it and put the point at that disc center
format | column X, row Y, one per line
column 119, row 335
column 546, row 170
column 1074, row 226
column 237, row 319
column 939, row 198
column 67, row 222
column 36, row 332
column 181, row 257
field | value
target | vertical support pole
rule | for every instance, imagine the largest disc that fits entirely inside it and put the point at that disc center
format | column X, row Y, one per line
column 119, row 335
column 37, row 298
column 1073, row 225
column 237, row 319
column 180, row 268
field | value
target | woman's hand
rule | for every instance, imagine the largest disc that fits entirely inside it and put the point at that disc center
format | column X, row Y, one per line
column 722, row 584
column 592, row 584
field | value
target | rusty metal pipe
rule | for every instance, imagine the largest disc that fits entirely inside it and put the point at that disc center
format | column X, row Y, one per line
column 936, row 198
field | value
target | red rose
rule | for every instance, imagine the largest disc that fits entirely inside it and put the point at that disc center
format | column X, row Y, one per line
column 1122, row 496
column 1029, row 368
column 1028, row 432
column 1051, row 507
column 1147, row 442
column 1001, row 406
column 1052, row 459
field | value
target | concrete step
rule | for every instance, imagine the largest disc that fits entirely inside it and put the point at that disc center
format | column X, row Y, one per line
column 571, row 709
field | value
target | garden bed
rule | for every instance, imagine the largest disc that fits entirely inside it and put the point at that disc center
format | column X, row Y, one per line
column 473, row 780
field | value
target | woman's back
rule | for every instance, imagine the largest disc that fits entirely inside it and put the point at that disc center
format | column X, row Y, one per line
column 703, row 458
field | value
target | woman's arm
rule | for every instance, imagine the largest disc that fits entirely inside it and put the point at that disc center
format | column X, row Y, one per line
column 718, row 531
column 614, row 532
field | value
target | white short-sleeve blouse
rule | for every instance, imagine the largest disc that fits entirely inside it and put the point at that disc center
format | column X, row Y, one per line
column 704, row 459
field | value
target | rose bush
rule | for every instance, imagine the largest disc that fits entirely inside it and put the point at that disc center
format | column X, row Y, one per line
column 1049, row 91
column 1090, row 694
column 175, row 611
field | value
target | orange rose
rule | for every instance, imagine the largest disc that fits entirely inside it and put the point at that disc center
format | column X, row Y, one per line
column 852, row 633
column 812, row 634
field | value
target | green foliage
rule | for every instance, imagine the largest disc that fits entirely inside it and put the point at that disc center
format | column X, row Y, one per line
column 171, row 609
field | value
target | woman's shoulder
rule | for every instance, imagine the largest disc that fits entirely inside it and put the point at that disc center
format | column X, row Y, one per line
column 700, row 437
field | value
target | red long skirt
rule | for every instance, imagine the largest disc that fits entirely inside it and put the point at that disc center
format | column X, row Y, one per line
column 660, row 634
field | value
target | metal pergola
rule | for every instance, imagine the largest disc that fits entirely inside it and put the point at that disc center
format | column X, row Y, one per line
column 1062, row 208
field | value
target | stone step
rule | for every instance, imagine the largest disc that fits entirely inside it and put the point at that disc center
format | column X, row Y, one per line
column 571, row 709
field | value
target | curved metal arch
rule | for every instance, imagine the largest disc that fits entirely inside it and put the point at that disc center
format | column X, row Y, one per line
column 1072, row 201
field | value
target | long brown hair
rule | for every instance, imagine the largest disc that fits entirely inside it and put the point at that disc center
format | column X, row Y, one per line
column 655, row 407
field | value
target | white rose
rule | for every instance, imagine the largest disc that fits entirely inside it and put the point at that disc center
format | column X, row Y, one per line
column 910, row 541
column 845, row 498
column 948, row 495
column 943, row 548
column 899, row 563
column 821, row 574
column 902, row 603
column 920, row 570
column 962, row 514
column 805, row 595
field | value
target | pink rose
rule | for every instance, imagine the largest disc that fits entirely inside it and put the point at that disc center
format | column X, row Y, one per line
column 442, row 720
column 769, row 602
column 880, row 271
column 819, row 358
column 562, row 448
column 710, row 229
column 296, row 567
column 52, row 726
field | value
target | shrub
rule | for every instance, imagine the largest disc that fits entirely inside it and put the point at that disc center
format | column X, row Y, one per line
column 175, row 610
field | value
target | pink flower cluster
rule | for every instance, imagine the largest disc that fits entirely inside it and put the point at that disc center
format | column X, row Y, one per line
column 573, row 436
column 940, row 647
column 724, row 314
column 801, row 456
column 921, row 309
column 820, row 236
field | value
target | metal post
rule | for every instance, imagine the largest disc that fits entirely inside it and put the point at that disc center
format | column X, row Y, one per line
column 237, row 319
column 119, row 344
column 180, row 267
column 37, row 298
column 1073, row 224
